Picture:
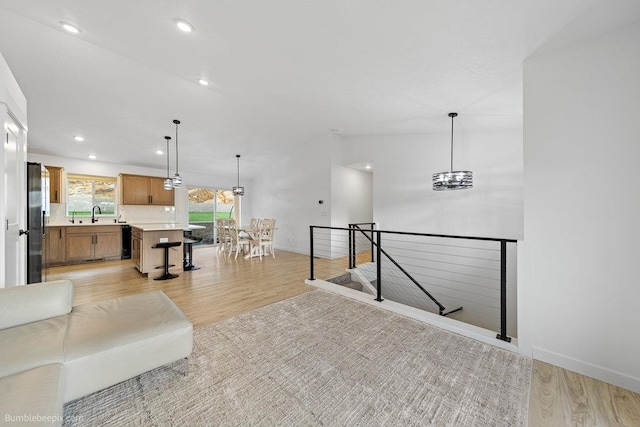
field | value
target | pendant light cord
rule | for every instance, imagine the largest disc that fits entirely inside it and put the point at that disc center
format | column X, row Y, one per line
column 177, row 122
column 451, row 170
column 167, row 138
column 452, row 115
column 238, row 157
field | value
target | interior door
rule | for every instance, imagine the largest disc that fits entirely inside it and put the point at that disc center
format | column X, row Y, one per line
column 14, row 195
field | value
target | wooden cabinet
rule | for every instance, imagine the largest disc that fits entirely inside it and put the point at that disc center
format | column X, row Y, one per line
column 135, row 190
column 93, row 242
column 79, row 245
column 55, row 184
column 136, row 248
column 108, row 244
column 160, row 196
column 145, row 190
column 53, row 244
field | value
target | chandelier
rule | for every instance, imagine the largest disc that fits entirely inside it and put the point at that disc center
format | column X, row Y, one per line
column 452, row 180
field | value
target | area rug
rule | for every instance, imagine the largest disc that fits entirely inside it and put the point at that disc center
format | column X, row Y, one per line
column 321, row 359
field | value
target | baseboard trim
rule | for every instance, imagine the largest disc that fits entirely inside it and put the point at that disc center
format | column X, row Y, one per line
column 294, row 250
column 479, row 334
column 603, row 374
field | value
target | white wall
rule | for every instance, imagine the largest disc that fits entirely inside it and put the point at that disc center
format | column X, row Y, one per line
column 290, row 191
column 351, row 196
column 351, row 199
column 403, row 198
column 11, row 94
column 579, row 283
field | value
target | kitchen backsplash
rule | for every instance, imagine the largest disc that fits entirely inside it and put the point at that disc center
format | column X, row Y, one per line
column 147, row 214
column 128, row 213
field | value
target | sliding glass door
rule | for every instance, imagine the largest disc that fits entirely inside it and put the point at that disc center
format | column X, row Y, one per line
column 206, row 204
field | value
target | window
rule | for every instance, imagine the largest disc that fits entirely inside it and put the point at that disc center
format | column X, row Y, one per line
column 86, row 191
column 205, row 204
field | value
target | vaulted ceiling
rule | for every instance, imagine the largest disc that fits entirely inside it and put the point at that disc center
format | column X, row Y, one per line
column 281, row 72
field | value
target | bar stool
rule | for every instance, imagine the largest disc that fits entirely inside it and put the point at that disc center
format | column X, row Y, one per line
column 166, row 246
column 187, row 262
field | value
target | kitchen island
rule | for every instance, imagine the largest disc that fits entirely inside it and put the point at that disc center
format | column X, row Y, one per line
column 148, row 259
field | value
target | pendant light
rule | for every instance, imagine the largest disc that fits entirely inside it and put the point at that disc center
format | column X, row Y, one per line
column 237, row 190
column 168, row 182
column 177, row 179
column 452, row 180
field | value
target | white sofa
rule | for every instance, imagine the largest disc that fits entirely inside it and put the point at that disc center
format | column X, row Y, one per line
column 52, row 353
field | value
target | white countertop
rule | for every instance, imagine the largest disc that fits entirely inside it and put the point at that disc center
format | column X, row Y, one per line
column 166, row 226
column 159, row 227
column 141, row 226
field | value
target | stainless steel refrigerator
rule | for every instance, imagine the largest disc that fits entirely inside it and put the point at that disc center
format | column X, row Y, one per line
column 37, row 208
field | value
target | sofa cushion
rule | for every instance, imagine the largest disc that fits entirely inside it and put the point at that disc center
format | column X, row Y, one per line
column 31, row 345
column 30, row 303
column 33, row 397
column 113, row 340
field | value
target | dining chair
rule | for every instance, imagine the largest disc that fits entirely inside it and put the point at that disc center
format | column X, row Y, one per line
column 236, row 239
column 223, row 234
column 263, row 240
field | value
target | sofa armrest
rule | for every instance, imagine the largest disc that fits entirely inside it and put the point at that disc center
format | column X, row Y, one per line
column 30, row 303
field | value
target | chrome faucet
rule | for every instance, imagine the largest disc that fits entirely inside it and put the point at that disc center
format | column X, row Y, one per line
column 73, row 217
column 93, row 214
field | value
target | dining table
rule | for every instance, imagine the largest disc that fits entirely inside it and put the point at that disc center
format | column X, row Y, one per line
column 251, row 234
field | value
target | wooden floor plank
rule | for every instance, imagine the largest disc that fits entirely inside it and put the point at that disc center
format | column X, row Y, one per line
column 545, row 407
column 225, row 287
column 576, row 403
column 621, row 406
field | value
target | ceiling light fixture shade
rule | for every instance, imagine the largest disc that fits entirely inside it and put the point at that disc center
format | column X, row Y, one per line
column 184, row 25
column 168, row 182
column 452, row 180
column 70, row 28
column 238, row 190
column 177, row 179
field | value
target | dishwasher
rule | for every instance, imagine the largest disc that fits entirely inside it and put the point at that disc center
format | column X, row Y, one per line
column 126, row 241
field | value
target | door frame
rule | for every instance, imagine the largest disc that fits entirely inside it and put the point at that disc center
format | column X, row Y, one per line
column 9, row 234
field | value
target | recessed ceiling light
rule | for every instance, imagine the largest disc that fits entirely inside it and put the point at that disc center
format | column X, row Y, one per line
column 159, row 152
column 184, row 25
column 70, row 28
column 368, row 166
column 78, row 138
column 92, row 156
column 203, row 82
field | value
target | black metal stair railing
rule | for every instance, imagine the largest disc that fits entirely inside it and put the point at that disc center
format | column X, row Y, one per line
column 353, row 241
column 373, row 240
column 356, row 227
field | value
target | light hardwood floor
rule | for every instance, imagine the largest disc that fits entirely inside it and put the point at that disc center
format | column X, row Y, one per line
column 225, row 287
